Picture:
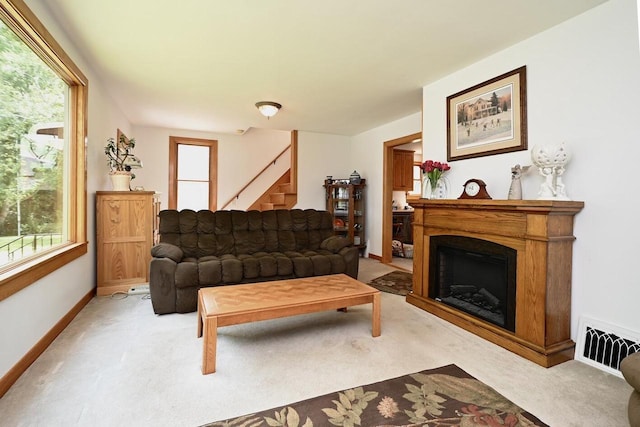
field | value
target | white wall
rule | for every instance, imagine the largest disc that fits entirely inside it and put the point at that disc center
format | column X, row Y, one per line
column 368, row 156
column 320, row 155
column 28, row 315
column 583, row 86
column 240, row 157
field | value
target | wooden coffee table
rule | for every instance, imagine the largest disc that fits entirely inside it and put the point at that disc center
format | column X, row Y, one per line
column 234, row 304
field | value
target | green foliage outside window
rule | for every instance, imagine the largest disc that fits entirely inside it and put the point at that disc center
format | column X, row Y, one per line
column 32, row 114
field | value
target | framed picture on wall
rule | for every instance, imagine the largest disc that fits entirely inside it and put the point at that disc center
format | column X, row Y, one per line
column 488, row 118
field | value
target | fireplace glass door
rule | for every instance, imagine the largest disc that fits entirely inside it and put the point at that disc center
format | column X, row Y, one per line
column 475, row 276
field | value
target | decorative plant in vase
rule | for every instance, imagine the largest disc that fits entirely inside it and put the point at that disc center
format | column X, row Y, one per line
column 121, row 161
column 434, row 185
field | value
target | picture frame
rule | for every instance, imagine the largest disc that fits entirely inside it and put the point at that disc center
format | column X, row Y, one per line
column 488, row 118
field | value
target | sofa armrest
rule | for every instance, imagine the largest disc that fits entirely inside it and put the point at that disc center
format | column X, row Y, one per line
column 335, row 243
column 351, row 255
column 162, row 285
column 167, row 250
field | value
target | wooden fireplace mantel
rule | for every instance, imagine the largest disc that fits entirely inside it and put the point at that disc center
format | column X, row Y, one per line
column 541, row 231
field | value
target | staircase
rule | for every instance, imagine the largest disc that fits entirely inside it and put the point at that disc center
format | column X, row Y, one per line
column 280, row 195
column 283, row 193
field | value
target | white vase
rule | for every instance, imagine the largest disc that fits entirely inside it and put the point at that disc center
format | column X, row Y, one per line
column 121, row 181
column 551, row 161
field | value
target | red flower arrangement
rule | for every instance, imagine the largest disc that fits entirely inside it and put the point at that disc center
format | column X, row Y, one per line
column 434, row 171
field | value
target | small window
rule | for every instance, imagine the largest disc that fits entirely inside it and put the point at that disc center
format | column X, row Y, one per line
column 192, row 173
column 417, row 183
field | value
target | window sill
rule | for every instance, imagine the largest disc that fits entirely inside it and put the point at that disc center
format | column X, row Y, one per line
column 24, row 274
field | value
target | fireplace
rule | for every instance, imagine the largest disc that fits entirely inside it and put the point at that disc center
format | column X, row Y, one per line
column 475, row 276
column 500, row 269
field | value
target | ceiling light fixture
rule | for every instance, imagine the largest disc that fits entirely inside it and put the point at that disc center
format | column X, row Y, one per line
column 268, row 108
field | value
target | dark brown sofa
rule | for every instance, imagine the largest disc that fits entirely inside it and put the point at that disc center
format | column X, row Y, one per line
column 206, row 248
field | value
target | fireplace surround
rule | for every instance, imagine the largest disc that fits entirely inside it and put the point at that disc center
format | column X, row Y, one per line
column 535, row 236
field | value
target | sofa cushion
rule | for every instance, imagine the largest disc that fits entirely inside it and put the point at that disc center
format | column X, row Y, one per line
column 169, row 227
column 286, row 241
column 285, row 222
column 338, row 264
column 269, row 221
column 232, row 269
column 223, row 222
column 188, row 221
column 169, row 222
column 207, row 242
column 298, row 220
column 250, row 266
column 247, row 232
column 284, row 263
column 187, row 273
column 268, row 264
column 210, row 271
column 302, row 265
column 179, row 229
column 206, row 222
column 321, row 264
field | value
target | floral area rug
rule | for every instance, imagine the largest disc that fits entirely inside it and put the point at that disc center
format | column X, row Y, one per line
column 397, row 282
column 445, row 396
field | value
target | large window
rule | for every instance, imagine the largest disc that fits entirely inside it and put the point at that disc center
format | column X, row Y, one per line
column 42, row 169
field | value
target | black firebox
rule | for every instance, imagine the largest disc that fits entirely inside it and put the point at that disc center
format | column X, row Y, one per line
column 475, row 276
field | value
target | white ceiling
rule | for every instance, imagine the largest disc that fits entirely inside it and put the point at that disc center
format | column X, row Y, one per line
column 336, row 66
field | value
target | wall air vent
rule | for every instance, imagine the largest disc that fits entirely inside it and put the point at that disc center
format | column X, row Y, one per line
column 604, row 346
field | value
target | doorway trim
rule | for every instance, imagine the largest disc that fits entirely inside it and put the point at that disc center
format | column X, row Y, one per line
column 387, row 193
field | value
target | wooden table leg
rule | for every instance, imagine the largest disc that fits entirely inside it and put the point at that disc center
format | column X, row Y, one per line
column 375, row 315
column 209, row 342
column 199, row 333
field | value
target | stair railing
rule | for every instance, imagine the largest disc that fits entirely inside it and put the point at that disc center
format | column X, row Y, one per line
column 270, row 164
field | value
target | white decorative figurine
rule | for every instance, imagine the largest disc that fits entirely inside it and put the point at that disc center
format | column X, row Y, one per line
column 550, row 161
column 515, row 191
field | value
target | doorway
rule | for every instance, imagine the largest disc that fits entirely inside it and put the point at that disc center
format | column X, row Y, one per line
column 387, row 196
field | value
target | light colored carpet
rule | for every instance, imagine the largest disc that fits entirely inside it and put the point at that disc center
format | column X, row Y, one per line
column 403, row 263
column 118, row 364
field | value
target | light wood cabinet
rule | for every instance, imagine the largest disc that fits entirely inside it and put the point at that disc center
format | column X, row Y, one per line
column 126, row 229
column 402, row 170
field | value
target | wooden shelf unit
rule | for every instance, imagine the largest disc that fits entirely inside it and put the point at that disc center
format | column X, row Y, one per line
column 346, row 202
column 541, row 231
column 126, row 229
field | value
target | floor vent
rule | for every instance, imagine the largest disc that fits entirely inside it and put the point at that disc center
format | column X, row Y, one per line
column 604, row 346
